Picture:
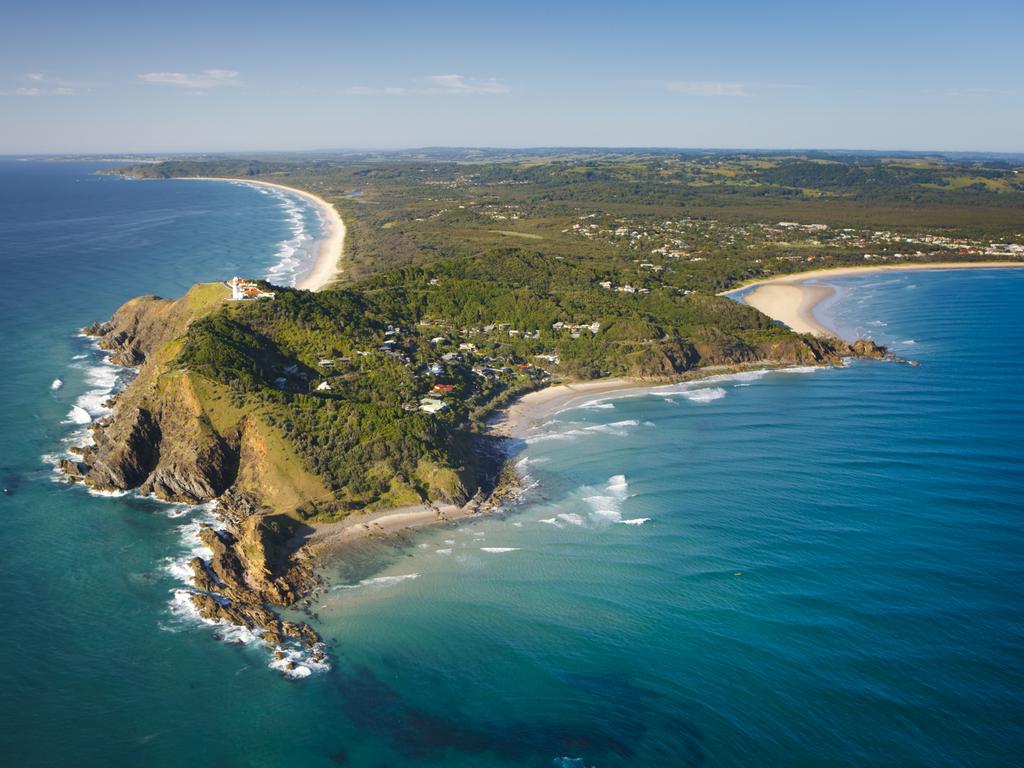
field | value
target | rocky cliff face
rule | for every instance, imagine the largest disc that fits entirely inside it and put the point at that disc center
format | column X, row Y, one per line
column 714, row 348
column 161, row 440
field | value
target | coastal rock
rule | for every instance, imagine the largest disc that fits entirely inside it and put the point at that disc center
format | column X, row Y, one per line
column 126, row 451
column 73, row 470
column 250, row 567
column 196, row 464
column 137, row 329
column 868, row 348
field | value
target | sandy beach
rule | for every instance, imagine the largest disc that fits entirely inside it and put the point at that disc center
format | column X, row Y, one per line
column 535, row 407
column 329, row 538
column 328, row 262
column 791, row 299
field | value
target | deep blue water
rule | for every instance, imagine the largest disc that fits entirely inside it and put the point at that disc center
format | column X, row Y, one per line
column 822, row 568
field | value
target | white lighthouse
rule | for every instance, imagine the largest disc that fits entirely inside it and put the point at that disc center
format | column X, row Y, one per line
column 246, row 289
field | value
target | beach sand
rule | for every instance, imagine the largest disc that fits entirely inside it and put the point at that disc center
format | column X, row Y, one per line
column 533, row 408
column 331, row 538
column 792, row 304
column 791, row 299
column 327, row 266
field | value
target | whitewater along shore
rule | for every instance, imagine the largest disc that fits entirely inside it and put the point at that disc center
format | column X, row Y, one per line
column 792, row 299
column 327, row 266
column 529, row 412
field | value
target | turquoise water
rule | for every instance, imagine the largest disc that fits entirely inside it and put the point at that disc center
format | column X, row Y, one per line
column 819, row 568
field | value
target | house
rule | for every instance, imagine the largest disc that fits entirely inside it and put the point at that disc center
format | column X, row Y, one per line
column 242, row 290
column 323, row 386
column 431, row 405
column 467, row 347
column 442, row 389
column 325, row 362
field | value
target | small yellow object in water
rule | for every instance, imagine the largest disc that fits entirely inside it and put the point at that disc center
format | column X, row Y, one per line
column 738, row 573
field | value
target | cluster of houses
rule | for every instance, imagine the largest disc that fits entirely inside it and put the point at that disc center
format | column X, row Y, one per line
column 461, row 359
column 245, row 290
column 608, row 285
column 691, row 240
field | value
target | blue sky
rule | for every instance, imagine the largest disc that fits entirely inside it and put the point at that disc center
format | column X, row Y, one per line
column 183, row 76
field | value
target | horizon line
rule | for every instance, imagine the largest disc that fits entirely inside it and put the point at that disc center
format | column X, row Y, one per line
column 496, row 147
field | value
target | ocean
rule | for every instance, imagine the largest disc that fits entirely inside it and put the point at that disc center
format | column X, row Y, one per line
column 803, row 568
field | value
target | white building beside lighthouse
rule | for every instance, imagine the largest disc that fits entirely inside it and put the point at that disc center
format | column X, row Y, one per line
column 242, row 290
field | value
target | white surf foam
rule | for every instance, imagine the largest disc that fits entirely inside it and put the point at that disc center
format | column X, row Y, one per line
column 295, row 255
column 705, row 395
column 615, row 428
column 78, row 415
column 618, row 486
column 499, row 550
column 634, row 521
column 107, row 494
column 800, row 369
column 598, row 405
column 57, row 384
column 379, row 581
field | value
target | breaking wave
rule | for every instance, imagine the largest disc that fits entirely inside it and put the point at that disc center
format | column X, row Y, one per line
column 704, row 395
column 378, row 581
column 295, row 255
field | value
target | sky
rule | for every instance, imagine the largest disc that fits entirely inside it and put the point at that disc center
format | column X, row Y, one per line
column 109, row 77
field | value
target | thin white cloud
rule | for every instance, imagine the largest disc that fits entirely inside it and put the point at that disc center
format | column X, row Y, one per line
column 435, row 84
column 956, row 93
column 32, row 91
column 369, row 90
column 459, row 84
column 205, row 80
column 727, row 88
column 41, row 86
column 707, row 88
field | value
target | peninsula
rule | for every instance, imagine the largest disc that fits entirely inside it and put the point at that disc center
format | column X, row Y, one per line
column 381, row 401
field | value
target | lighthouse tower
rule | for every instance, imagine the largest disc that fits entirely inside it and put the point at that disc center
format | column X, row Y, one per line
column 236, row 288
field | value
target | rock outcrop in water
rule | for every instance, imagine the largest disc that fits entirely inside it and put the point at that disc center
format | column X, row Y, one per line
column 253, row 565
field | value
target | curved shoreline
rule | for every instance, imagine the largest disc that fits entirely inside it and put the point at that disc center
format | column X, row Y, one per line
column 327, row 266
column 791, row 300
